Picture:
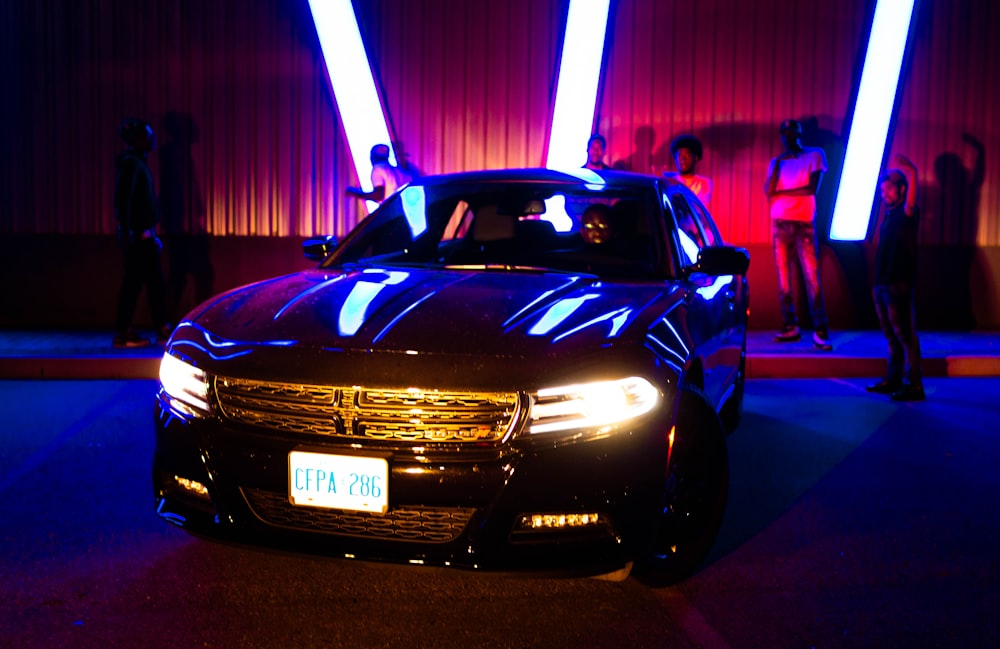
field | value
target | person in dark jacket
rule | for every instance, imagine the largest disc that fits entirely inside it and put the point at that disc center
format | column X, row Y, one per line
column 137, row 214
column 895, row 279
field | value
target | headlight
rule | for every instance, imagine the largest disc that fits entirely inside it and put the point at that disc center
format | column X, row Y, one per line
column 185, row 385
column 591, row 405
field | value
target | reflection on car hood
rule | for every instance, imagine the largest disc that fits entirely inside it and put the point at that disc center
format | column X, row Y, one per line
column 509, row 313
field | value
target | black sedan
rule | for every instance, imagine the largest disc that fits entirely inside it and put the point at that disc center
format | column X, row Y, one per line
column 507, row 370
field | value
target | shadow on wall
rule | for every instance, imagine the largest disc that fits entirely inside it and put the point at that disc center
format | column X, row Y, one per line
column 184, row 219
column 845, row 265
column 641, row 158
column 950, row 216
column 953, row 271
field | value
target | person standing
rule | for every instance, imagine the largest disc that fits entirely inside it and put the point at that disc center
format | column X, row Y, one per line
column 793, row 179
column 687, row 151
column 137, row 213
column 895, row 279
column 386, row 178
column 596, row 147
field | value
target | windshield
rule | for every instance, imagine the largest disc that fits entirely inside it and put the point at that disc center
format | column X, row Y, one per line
column 528, row 225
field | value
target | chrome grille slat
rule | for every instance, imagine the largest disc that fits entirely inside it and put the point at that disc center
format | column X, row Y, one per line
column 424, row 524
column 283, row 421
column 389, row 415
column 400, row 398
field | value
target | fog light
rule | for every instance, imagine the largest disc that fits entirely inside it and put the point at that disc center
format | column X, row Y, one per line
column 559, row 521
column 192, row 486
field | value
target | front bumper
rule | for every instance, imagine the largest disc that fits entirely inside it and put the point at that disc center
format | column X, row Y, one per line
column 462, row 509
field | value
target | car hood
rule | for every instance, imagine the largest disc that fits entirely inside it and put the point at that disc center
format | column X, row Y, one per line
column 515, row 313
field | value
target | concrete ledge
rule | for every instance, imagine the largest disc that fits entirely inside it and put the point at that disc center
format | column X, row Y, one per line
column 785, row 366
column 815, row 366
column 92, row 367
column 971, row 366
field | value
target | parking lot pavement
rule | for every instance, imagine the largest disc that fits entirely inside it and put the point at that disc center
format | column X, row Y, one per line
column 853, row 521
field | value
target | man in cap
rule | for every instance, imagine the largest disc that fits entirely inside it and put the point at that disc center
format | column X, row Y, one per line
column 386, row 178
column 793, row 180
column 895, row 277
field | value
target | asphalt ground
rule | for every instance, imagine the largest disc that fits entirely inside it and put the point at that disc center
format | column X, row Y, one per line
column 853, row 521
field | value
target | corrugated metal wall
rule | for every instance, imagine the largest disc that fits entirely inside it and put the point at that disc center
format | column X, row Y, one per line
column 235, row 91
column 727, row 71
column 948, row 121
column 468, row 85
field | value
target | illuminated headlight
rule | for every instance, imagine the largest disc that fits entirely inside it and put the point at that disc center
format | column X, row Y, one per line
column 185, row 385
column 592, row 405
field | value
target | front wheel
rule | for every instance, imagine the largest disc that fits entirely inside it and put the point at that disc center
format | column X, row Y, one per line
column 694, row 495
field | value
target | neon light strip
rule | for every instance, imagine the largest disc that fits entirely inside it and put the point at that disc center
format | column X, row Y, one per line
column 353, row 83
column 576, row 85
column 870, row 124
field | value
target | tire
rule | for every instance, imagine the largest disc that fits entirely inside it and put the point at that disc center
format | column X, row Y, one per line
column 694, row 496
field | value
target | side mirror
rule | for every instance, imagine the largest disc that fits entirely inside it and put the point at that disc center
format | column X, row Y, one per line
column 722, row 260
column 317, row 248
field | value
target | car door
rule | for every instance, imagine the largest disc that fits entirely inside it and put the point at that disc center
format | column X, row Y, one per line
column 712, row 301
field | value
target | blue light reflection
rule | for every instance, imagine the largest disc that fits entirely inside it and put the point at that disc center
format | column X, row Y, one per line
column 213, row 344
column 541, row 298
column 709, row 292
column 306, row 293
column 415, row 209
column 555, row 213
column 354, row 311
column 677, row 336
column 618, row 319
column 689, row 246
column 558, row 312
column 392, row 324
column 208, row 352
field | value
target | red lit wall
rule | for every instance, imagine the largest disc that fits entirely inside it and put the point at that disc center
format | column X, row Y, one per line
column 469, row 85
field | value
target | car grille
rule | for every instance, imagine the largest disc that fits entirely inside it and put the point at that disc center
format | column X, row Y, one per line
column 402, row 415
column 421, row 524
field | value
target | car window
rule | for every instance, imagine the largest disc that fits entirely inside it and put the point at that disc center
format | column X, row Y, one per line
column 458, row 223
column 552, row 226
column 690, row 235
column 707, row 225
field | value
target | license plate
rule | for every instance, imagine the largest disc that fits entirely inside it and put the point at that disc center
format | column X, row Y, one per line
column 338, row 481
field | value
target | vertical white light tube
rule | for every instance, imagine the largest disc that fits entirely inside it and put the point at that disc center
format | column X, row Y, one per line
column 576, row 85
column 870, row 124
column 353, row 83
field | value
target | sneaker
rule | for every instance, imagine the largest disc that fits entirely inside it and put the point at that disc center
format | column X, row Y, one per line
column 821, row 339
column 909, row 393
column 129, row 339
column 788, row 334
column 885, row 386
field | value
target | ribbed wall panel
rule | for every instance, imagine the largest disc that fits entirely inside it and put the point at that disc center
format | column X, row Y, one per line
column 727, row 71
column 948, row 121
column 468, row 85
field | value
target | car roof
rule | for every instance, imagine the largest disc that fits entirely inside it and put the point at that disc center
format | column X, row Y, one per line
column 621, row 179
